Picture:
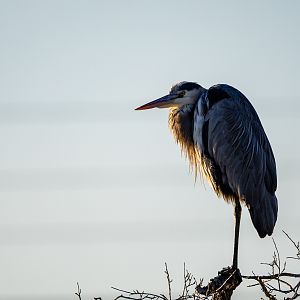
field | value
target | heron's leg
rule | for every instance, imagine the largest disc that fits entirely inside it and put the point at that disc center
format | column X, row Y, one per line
column 237, row 215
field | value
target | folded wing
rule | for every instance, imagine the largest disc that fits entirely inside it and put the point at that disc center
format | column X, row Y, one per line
column 235, row 141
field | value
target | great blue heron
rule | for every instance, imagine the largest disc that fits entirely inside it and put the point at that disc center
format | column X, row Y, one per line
column 221, row 134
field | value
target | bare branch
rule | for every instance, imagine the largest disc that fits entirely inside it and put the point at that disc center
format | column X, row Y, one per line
column 265, row 290
column 169, row 281
column 273, row 276
column 189, row 282
column 297, row 246
column 276, row 282
column 78, row 293
column 277, row 274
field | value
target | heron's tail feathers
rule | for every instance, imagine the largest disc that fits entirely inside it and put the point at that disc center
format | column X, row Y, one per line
column 264, row 215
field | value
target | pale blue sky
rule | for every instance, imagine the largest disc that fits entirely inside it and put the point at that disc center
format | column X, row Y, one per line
column 95, row 192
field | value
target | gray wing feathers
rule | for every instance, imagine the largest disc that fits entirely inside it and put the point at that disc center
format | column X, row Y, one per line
column 239, row 146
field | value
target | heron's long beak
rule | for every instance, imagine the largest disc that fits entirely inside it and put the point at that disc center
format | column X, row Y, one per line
column 163, row 102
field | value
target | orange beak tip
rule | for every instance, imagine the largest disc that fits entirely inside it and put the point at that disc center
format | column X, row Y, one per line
column 144, row 107
column 138, row 108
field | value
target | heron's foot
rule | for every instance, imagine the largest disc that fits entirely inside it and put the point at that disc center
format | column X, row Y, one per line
column 223, row 285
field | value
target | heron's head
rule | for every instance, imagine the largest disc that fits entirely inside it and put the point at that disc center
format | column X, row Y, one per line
column 182, row 93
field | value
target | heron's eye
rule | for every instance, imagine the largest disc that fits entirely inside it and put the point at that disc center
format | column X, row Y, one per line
column 181, row 94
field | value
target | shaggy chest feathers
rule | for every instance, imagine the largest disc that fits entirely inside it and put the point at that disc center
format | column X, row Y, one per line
column 190, row 131
column 181, row 123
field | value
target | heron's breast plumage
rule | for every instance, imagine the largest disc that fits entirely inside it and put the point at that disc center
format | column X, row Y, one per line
column 181, row 123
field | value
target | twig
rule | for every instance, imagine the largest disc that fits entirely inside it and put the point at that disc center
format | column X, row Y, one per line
column 189, row 281
column 265, row 290
column 277, row 273
column 273, row 276
column 141, row 295
column 297, row 246
column 78, row 293
column 169, row 281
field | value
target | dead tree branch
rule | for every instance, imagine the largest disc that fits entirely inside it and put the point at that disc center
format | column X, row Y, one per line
column 277, row 282
column 273, row 284
column 188, row 282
